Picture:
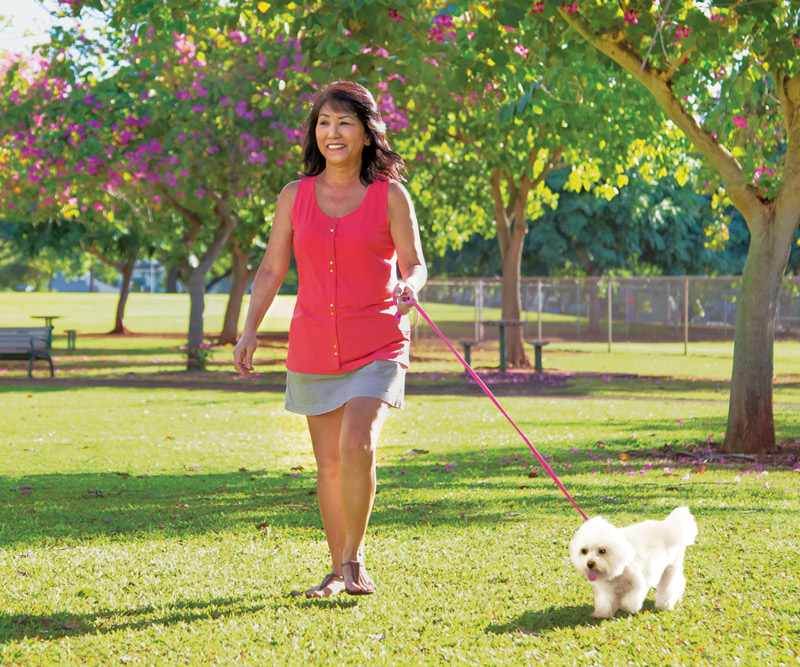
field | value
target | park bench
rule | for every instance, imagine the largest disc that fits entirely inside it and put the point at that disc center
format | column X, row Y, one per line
column 29, row 343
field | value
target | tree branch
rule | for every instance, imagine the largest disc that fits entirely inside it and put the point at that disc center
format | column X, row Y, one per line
column 194, row 220
column 789, row 92
column 500, row 215
column 117, row 266
column 615, row 46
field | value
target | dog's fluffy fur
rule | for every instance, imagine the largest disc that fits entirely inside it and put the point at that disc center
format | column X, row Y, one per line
column 623, row 564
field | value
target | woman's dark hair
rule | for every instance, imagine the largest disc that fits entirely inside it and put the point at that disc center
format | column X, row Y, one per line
column 377, row 159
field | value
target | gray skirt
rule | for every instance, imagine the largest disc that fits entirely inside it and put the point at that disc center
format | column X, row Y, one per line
column 310, row 394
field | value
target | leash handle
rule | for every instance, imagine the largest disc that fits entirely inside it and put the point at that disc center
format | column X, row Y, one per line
column 398, row 316
column 494, row 400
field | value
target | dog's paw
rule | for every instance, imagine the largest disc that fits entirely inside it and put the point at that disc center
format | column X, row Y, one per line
column 602, row 613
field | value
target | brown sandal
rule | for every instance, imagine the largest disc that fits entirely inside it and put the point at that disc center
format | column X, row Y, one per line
column 329, row 578
column 355, row 572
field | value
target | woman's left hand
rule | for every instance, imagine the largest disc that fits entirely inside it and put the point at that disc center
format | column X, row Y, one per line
column 405, row 296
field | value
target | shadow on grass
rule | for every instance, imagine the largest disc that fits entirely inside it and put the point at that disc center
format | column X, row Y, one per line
column 64, row 624
column 58, row 509
column 536, row 622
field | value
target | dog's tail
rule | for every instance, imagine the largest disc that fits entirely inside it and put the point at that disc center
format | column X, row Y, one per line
column 681, row 524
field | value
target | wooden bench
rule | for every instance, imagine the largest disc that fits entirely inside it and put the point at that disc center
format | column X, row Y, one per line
column 29, row 343
column 537, row 353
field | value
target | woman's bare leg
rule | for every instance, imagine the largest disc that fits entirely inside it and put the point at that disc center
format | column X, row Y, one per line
column 325, row 433
column 360, row 429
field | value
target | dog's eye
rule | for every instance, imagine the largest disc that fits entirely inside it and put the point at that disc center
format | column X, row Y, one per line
column 601, row 551
column 584, row 551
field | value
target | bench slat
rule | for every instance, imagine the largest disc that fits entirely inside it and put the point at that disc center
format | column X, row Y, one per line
column 31, row 343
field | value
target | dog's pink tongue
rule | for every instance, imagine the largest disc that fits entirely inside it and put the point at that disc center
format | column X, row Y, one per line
column 592, row 575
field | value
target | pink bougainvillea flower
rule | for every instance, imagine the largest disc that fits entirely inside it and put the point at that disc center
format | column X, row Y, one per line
column 538, row 8
column 631, row 16
column 198, row 108
column 439, row 32
column 571, row 9
column 239, row 36
column 521, row 50
column 395, row 16
column 683, row 32
column 740, row 122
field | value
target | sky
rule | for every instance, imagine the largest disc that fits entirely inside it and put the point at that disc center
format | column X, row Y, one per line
column 30, row 22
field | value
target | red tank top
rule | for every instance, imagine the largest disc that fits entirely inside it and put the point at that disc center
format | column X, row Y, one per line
column 347, row 270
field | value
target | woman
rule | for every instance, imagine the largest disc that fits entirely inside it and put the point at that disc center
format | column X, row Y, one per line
column 351, row 224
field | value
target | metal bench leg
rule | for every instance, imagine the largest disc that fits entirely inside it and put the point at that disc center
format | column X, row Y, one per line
column 502, row 349
column 51, row 366
column 537, row 358
column 30, row 367
column 467, row 352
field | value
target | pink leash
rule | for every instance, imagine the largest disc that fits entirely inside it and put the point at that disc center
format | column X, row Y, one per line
column 486, row 390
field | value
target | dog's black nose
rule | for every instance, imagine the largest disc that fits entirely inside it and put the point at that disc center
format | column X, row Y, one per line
column 590, row 565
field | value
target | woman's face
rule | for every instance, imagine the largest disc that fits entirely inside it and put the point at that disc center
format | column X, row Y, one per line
column 340, row 136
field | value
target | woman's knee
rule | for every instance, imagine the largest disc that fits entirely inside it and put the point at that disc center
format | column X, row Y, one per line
column 357, row 448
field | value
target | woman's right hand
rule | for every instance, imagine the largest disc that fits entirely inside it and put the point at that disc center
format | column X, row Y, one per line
column 243, row 353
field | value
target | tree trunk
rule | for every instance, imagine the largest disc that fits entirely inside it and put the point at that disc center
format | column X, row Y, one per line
column 241, row 276
column 194, row 277
column 126, row 271
column 172, row 280
column 751, row 428
column 196, row 284
column 512, row 306
column 511, row 231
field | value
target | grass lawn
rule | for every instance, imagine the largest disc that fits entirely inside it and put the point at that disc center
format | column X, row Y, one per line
column 169, row 526
column 165, row 518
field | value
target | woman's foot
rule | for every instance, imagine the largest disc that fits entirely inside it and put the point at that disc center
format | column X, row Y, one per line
column 331, row 585
column 356, row 579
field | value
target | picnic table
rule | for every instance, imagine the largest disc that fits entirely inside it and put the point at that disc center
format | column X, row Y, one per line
column 48, row 319
column 502, row 324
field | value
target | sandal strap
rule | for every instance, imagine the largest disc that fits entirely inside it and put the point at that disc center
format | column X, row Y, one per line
column 328, row 578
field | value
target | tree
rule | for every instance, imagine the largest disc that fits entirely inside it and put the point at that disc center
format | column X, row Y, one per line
column 488, row 94
column 191, row 110
column 726, row 74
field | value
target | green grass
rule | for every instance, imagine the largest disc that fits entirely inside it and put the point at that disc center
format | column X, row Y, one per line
column 168, row 526
column 167, row 523
column 144, row 313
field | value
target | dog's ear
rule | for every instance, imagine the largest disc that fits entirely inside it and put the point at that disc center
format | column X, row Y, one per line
column 619, row 553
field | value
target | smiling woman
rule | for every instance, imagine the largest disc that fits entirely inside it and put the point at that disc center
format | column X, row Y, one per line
column 351, row 226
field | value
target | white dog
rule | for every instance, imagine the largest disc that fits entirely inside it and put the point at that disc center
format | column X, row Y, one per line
column 623, row 564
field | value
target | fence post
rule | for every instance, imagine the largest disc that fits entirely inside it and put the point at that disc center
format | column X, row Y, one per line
column 539, row 310
column 608, row 299
column 686, row 316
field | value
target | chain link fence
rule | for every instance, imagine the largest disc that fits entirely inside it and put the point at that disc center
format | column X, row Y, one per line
column 660, row 309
